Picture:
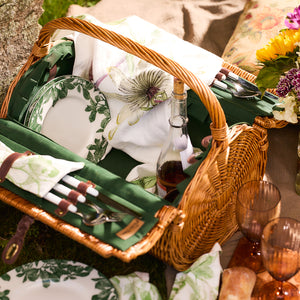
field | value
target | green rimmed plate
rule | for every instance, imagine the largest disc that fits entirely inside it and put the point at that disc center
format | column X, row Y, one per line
column 38, row 94
column 56, row 279
column 74, row 114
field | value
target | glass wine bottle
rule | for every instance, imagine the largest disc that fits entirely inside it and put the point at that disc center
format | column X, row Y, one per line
column 177, row 148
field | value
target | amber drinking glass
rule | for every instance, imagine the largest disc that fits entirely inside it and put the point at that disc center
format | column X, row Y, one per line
column 258, row 202
column 280, row 244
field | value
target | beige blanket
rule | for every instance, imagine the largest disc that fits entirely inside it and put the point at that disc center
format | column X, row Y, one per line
column 206, row 23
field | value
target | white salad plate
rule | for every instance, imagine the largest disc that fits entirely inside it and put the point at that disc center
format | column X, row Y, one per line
column 56, row 279
column 71, row 112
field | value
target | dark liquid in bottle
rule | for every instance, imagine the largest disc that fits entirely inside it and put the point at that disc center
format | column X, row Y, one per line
column 169, row 175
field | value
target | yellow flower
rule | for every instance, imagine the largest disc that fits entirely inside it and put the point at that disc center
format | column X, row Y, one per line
column 282, row 44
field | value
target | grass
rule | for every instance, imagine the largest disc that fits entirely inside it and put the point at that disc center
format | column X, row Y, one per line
column 54, row 9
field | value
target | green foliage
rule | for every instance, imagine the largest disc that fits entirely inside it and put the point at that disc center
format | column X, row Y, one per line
column 269, row 75
column 54, row 9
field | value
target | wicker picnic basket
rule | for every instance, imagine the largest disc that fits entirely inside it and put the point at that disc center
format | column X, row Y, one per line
column 206, row 212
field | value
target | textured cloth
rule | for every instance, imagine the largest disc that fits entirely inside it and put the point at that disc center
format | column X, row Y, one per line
column 205, row 23
column 200, row 281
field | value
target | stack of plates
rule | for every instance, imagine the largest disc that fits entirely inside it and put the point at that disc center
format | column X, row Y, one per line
column 71, row 112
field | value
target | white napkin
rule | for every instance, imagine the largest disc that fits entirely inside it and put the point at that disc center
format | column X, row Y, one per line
column 139, row 133
column 37, row 173
column 135, row 286
column 200, row 281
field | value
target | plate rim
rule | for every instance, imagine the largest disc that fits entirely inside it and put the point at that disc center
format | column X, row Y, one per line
column 91, row 151
column 43, row 89
column 14, row 278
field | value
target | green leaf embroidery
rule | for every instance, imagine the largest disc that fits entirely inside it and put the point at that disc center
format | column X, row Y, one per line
column 146, row 182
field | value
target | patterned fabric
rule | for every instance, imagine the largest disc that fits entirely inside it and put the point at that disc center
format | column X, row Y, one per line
column 37, row 173
column 260, row 21
column 134, row 287
column 199, row 282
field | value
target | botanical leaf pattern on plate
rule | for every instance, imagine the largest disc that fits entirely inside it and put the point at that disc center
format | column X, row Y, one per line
column 96, row 107
column 50, row 272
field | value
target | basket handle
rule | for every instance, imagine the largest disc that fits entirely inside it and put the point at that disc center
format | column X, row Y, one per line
column 40, row 49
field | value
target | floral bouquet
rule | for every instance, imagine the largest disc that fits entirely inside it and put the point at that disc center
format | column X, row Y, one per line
column 280, row 60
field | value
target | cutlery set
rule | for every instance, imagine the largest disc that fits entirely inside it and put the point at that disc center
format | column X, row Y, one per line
column 98, row 215
column 237, row 86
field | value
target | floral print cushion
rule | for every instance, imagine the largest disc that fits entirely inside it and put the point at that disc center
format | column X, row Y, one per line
column 260, row 21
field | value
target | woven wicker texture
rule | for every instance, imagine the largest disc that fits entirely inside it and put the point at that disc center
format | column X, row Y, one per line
column 206, row 213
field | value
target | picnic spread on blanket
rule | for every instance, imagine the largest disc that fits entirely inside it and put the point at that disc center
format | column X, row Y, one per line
column 86, row 125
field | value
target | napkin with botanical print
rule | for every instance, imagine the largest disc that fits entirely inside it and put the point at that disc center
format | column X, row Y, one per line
column 37, row 173
column 200, row 281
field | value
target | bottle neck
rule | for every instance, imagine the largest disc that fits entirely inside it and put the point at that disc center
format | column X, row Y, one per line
column 178, row 116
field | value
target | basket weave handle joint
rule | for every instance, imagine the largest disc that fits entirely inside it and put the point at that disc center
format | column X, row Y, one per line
column 219, row 134
column 40, row 52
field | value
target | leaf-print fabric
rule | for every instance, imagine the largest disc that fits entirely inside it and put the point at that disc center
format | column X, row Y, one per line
column 37, row 173
column 199, row 282
column 132, row 287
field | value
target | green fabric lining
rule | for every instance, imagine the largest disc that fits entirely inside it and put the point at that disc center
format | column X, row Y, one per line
column 236, row 110
column 19, row 138
column 62, row 55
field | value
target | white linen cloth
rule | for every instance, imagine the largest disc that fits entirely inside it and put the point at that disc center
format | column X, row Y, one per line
column 37, row 173
column 140, row 132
